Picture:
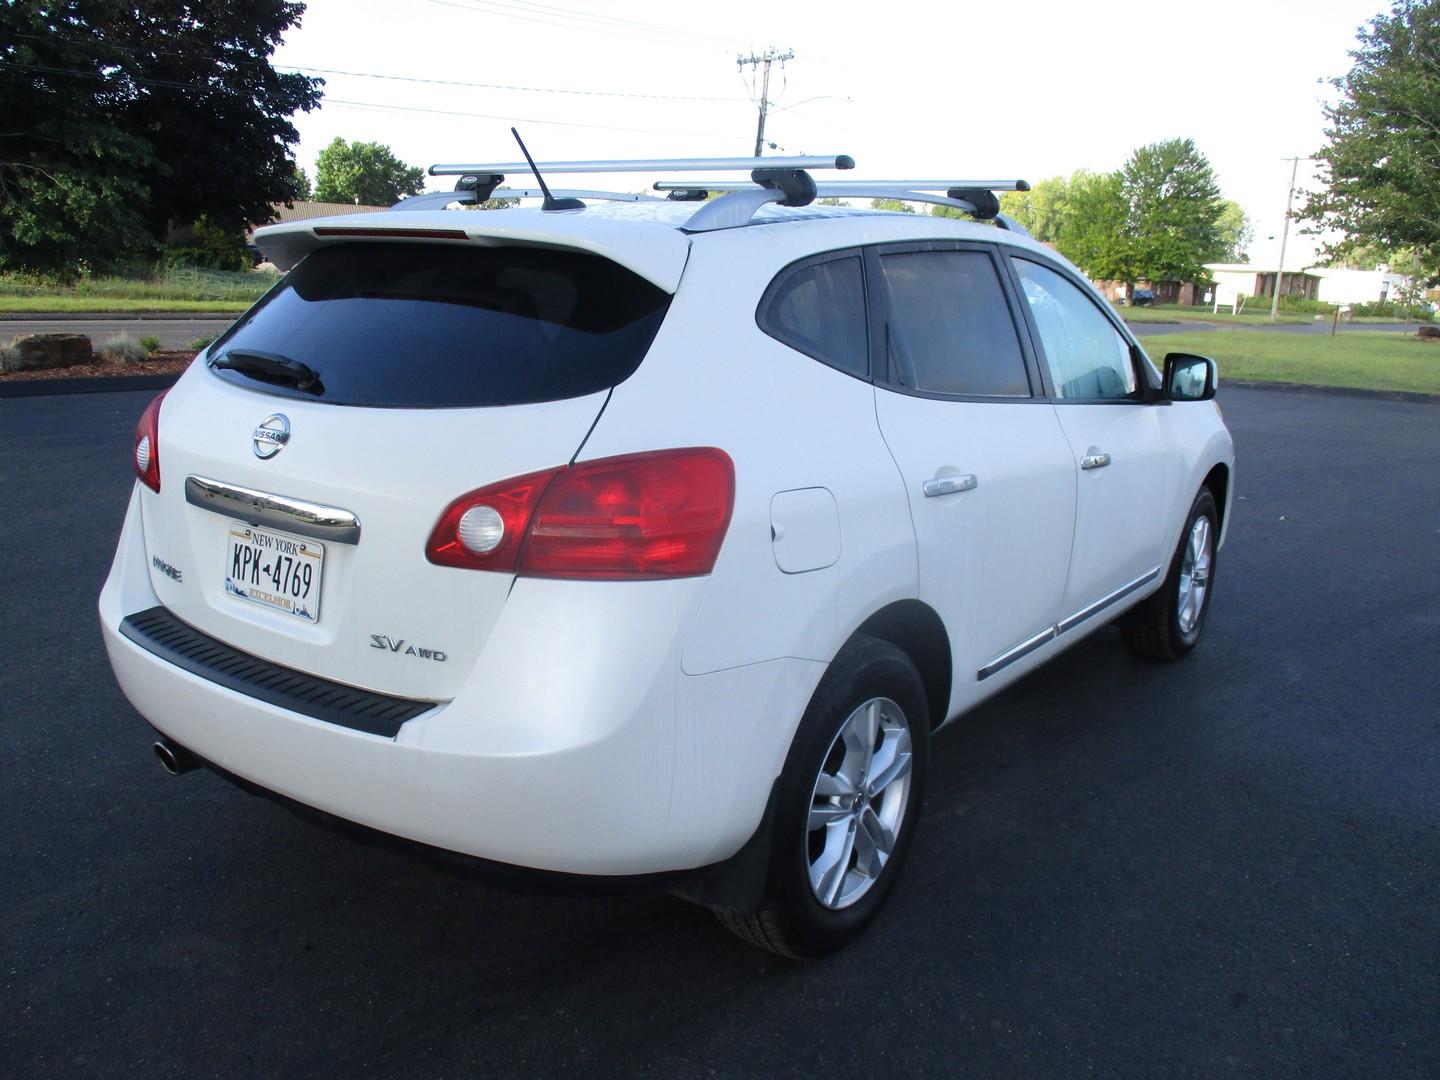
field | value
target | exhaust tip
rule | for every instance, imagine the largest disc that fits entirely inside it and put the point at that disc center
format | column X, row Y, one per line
column 173, row 759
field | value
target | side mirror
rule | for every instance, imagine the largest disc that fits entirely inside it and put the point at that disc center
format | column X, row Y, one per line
column 1189, row 377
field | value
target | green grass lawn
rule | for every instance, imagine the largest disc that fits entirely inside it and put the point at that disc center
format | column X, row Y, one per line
column 50, row 304
column 1367, row 361
column 176, row 290
column 1251, row 316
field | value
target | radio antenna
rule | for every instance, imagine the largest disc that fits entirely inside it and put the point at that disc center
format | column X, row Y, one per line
column 551, row 203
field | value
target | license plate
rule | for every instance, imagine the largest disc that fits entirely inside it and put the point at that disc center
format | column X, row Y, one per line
column 275, row 570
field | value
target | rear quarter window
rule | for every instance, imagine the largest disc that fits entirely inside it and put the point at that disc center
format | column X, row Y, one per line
column 818, row 307
column 451, row 325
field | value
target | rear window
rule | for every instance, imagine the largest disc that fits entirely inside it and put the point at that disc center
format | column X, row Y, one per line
column 436, row 325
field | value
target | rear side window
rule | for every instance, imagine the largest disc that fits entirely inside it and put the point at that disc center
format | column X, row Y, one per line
column 819, row 309
column 436, row 325
column 951, row 331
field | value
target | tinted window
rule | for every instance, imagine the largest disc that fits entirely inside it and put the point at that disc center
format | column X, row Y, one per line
column 951, row 331
column 452, row 324
column 820, row 310
column 1086, row 355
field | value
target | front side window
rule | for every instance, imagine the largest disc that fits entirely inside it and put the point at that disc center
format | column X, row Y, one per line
column 1087, row 357
column 819, row 309
column 951, row 331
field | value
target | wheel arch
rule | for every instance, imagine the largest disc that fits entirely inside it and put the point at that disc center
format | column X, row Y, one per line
column 915, row 628
column 1218, row 481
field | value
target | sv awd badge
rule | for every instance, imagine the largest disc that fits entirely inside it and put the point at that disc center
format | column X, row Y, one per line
column 396, row 645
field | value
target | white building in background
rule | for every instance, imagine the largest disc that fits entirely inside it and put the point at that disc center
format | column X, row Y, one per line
column 1340, row 286
column 1333, row 286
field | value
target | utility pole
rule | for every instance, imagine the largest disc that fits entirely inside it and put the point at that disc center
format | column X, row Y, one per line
column 770, row 56
column 1284, row 237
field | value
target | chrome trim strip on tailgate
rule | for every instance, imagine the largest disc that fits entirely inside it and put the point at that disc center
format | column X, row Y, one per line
column 261, row 508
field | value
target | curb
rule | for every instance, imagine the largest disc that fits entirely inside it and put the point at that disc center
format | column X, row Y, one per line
column 1413, row 396
column 116, row 316
column 98, row 384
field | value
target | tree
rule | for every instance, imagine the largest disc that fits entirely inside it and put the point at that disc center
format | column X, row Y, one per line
column 303, row 189
column 364, row 172
column 1083, row 216
column 1172, row 225
column 124, row 120
column 1381, row 166
column 1093, row 232
column 894, row 205
column 1236, row 232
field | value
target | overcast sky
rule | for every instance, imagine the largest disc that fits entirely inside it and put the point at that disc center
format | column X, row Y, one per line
column 909, row 90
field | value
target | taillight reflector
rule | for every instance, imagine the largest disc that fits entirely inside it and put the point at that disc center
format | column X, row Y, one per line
column 659, row 514
column 146, row 452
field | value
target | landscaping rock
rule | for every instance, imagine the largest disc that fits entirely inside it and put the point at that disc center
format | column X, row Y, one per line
column 39, row 352
column 1430, row 332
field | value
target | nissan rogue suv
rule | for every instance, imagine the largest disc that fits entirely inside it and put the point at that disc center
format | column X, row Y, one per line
column 654, row 538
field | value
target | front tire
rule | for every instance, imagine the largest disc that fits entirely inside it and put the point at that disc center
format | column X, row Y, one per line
column 848, row 804
column 1167, row 625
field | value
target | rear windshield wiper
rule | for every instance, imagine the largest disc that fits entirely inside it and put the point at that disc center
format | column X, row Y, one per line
column 271, row 367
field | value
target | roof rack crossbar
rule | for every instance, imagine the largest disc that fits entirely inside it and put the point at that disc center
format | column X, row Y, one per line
column 878, row 187
column 745, row 164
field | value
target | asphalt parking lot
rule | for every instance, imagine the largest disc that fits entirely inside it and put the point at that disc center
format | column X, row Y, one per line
column 1225, row 867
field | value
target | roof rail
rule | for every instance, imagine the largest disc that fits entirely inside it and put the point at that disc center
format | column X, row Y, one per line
column 974, row 197
column 438, row 200
column 803, row 161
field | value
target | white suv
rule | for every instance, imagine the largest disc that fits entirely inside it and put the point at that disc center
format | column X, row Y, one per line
column 652, row 539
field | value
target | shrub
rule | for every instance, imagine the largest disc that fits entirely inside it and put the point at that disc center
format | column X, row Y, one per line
column 9, row 358
column 206, row 246
column 150, row 343
column 202, row 342
column 124, row 349
column 1388, row 309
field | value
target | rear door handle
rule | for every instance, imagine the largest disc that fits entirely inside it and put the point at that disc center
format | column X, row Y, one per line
column 1094, row 461
column 949, row 485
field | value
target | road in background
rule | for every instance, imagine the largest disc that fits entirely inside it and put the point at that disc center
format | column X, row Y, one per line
column 173, row 333
column 1223, row 867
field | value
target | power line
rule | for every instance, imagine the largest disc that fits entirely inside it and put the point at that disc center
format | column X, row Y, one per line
column 503, row 86
column 572, row 19
column 166, row 84
column 383, row 107
column 396, row 78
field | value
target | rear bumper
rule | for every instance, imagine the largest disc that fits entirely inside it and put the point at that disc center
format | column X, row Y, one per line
column 576, row 745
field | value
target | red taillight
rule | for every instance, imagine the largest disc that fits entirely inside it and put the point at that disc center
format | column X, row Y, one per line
column 509, row 502
column 146, row 456
column 640, row 516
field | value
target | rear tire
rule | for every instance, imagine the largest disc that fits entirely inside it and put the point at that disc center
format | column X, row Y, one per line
column 1167, row 624
column 847, row 807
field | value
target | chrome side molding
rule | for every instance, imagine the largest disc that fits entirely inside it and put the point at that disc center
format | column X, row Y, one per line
column 1070, row 622
column 278, row 511
column 1025, row 648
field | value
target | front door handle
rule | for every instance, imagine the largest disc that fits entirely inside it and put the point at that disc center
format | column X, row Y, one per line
column 949, row 485
column 1094, row 461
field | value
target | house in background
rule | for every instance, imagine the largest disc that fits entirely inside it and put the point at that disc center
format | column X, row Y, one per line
column 1233, row 280
column 1340, row 286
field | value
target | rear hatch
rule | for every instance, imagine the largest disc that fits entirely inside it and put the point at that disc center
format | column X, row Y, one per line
column 306, row 460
